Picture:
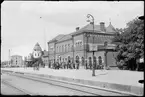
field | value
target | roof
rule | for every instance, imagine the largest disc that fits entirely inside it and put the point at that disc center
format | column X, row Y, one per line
column 45, row 53
column 110, row 29
column 57, row 37
column 37, row 47
column 88, row 28
column 66, row 37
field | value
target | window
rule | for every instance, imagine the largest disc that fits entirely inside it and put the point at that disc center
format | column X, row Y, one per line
column 65, row 48
column 59, row 49
column 68, row 47
column 69, row 58
column 100, row 60
column 77, row 59
column 62, row 49
column 80, row 43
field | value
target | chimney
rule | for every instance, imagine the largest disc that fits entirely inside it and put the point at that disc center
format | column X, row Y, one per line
column 102, row 26
column 77, row 28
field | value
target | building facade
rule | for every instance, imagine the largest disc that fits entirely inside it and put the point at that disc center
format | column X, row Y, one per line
column 79, row 45
column 37, row 51
column 16, row 61
column 45, row 58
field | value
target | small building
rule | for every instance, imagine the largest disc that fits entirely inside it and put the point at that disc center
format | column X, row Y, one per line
column 45, row 58
column 16, row 61
column 37, row 51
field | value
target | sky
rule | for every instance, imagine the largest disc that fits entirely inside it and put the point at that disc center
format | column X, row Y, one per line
column 22, row 26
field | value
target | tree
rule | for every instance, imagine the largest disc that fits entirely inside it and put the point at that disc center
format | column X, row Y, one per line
column 130, row 44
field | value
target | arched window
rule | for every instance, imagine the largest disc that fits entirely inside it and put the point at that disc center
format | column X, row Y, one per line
column 95, row 61
column 81, row 43
column 62, row 48
column 68, row 47
column 59, row 49
column 65, row 48
column 68, row 58
column 100, row 60
column 77, row 59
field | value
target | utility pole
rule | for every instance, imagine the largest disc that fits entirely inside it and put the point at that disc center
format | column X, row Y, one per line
column 93, row 67
column 9, row 58
column 44, row 37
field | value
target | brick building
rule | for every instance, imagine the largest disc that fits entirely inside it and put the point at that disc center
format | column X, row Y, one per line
column 78, row 45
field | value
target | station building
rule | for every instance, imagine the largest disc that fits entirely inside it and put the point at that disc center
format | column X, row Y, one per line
column 79, row 45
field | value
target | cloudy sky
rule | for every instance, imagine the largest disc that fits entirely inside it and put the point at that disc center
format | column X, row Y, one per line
column 22, row 26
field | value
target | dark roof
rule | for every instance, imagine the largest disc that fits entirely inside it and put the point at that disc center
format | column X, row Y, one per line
column 88, row 28
column 37, row 47
column 110, row 29
column 57, row 37
column 66, row 37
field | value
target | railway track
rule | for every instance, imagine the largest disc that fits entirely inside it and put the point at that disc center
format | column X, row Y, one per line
column 74, row 86
column 17, row 90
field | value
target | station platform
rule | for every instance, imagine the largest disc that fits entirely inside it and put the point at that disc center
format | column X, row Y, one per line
column 121, row 80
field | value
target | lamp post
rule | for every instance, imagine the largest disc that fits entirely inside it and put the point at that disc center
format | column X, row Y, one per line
column 105, row 45
column 89, row 15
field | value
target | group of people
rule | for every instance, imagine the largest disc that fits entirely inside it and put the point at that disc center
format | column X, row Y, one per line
column 69, row 64
column 73, row 65
column 64, row 65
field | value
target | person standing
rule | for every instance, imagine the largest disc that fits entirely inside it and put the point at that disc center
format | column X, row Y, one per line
column 77, row 64
column 86, row 64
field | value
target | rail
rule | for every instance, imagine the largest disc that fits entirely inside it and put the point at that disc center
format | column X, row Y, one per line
column 17, row 88
column 71, row 85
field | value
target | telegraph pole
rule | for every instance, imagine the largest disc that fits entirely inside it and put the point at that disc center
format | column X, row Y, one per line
column 9, row 58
